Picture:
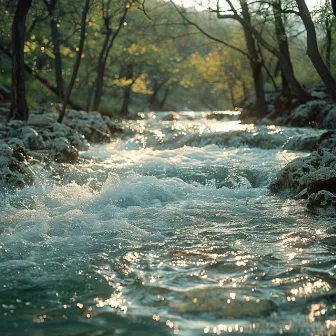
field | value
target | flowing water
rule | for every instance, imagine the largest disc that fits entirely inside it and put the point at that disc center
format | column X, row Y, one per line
column 169, row 230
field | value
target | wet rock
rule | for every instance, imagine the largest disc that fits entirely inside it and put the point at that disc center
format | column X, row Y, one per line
column 63, row 151
column 322, row 179
column 319, row 113
column 14, row 169
column 303, row 171
column 313, row 177
column 170, row 116
column 331, row 230
column 91, row 125
column 302, row 143
column 329, row 121
column 31, row 138
column 322, row 203
column 303, row 194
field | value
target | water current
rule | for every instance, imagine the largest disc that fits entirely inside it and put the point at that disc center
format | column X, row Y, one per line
column 169, row 230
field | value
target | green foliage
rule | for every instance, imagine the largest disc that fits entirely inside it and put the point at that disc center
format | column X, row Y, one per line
column 165, row 63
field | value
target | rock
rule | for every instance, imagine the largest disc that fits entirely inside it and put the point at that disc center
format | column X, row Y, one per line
column 311, row 113
column 301, row 171
column 61, row 129
column 15, row 142
column 41, row 120
column 91, row 125
column 319, row 94
column 322, row 203
column 329, row 121
column 31, row 138
column 313, row 177
column 14, row 169
column 170, row 116
column 63, row 151
column 322, row 179
column 302, row 143
column 303, row 194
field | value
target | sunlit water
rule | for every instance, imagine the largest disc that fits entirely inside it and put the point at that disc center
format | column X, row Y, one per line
column 170, row 230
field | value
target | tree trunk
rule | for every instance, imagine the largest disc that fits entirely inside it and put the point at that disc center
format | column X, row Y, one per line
column 57, row 54
column 282, row 40
column 301, row 94
column 164, row 99
column 108, row 44
column 328, row 25
column 333, row 5
column 100, row 74
column 77, row 62
column 313, row 52
column 256, row 63
column 19, row 109
column 127, row 99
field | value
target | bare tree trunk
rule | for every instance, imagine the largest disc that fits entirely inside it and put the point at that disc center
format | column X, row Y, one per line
column 108, row 44
column 256, row 63
column 19, row 109
column 164, row 99
column 301, row 94
column 51, row 4
column 127, row 99
column 77, row 62
column 282, row 40
column 328, row 25
column 127, row 91
column 333, row 5
column 313, row 52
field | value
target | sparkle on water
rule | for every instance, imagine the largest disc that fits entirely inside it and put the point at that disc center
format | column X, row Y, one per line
column 169, row 230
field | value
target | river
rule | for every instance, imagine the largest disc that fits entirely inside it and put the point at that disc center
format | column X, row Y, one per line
column 169, row 230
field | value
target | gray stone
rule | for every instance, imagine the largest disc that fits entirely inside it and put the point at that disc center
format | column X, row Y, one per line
column 322, row 203
column 41, row 120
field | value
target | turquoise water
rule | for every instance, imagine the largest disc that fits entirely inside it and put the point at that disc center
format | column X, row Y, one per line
column 169, row 230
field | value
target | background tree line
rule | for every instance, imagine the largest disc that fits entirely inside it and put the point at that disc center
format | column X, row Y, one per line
column 115, row 56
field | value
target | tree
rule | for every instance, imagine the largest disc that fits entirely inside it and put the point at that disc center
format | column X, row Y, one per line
column 110, row 36
column 313, row 51
column 77, row 61
column 281, row 36
column 333, row 5
column 256, row 62
column 19, row 109
column 51, row 5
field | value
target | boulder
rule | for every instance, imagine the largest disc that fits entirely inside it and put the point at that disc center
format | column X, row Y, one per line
column 63, row 151
column 31, row 138
column 312, row 177
column 14, row 169
column 41, row 120
column 311, row 113
column 322, row 203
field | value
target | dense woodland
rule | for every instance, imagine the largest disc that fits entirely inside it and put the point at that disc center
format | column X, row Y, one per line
column 116, row 56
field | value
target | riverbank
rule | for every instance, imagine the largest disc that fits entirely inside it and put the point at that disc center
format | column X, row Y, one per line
column 42, row 140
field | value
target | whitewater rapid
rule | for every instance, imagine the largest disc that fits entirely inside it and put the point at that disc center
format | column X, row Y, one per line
column 170, row 229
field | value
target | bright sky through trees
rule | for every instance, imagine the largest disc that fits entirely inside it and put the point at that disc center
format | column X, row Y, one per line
column 196, row 3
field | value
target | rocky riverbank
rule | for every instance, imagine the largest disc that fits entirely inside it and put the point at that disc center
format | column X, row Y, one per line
column 43, row 140
column 313, row 178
